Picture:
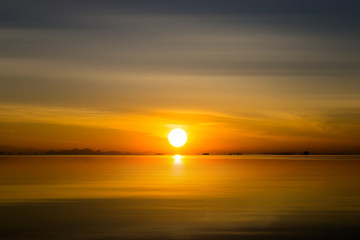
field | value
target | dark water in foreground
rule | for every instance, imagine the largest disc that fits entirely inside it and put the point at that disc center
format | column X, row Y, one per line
column 197, row 197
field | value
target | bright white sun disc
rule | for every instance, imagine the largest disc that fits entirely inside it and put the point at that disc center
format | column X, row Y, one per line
column 177, row 137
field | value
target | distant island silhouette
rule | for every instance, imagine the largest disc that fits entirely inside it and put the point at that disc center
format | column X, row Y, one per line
column 11, row 150
column 84, row 151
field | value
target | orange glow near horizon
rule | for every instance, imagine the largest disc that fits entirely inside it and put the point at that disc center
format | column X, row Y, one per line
column 211, row 132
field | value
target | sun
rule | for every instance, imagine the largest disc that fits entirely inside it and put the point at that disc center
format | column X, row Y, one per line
column 177, row 137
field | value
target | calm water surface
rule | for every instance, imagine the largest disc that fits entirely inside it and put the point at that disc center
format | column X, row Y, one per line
column 195, row 197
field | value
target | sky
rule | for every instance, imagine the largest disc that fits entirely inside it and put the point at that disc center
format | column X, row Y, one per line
column 251, row 76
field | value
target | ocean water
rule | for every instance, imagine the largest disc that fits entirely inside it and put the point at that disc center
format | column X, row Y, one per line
column 186, row 197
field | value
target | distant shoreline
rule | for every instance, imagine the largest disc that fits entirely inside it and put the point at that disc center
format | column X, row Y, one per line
column 139, row 154
column 8, row 150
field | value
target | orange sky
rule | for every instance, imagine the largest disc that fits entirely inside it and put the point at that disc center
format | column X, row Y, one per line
column 62, row 128
column 116, row 76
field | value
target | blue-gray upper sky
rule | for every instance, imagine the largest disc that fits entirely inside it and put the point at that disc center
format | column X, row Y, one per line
column 289, row 68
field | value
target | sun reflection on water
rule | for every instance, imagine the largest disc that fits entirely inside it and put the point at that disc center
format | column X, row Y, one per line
column 177, row 160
